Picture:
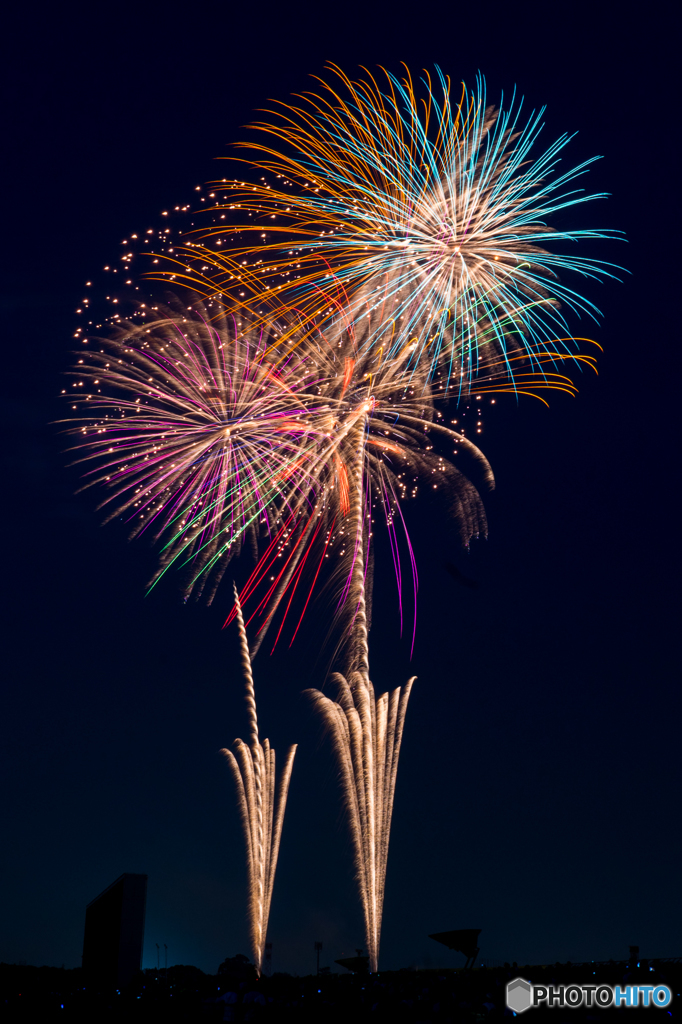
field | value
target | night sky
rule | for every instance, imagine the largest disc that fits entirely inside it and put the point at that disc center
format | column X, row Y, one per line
column 538, row 794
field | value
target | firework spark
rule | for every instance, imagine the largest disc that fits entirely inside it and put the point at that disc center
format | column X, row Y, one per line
column 262, row 803
column 435, row 211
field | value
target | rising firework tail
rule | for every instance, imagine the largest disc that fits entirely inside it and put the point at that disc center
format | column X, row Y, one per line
column 261, row 799
column 366, row 734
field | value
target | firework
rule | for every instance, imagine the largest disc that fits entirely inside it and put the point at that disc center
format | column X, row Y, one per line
column 405, row 255
column 375, row 431
column 210, row 435
column 366, row 733
column 195, row 433
column 262, row 803
column 433, row 212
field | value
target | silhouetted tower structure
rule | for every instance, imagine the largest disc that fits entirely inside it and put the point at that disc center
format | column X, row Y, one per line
column 356, row 964
column 463, row 940
column 114, row 933
column 318, row 947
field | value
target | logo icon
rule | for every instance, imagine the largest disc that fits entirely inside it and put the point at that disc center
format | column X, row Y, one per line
column 519, row 995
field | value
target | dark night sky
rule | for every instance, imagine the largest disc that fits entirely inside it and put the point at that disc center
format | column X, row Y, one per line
column 538, row 793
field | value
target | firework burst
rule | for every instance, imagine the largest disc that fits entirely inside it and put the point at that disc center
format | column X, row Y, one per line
column 192, row 429
column 434, row 213
column 209, row 435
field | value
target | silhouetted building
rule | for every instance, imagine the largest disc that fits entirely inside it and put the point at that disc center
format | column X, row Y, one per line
column 114, row 933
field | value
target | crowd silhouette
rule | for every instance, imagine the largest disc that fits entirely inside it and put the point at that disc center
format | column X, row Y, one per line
column 439, row 996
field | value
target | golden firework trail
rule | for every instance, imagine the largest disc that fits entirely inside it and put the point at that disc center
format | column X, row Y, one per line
column 261, row 807
column 366, row 733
